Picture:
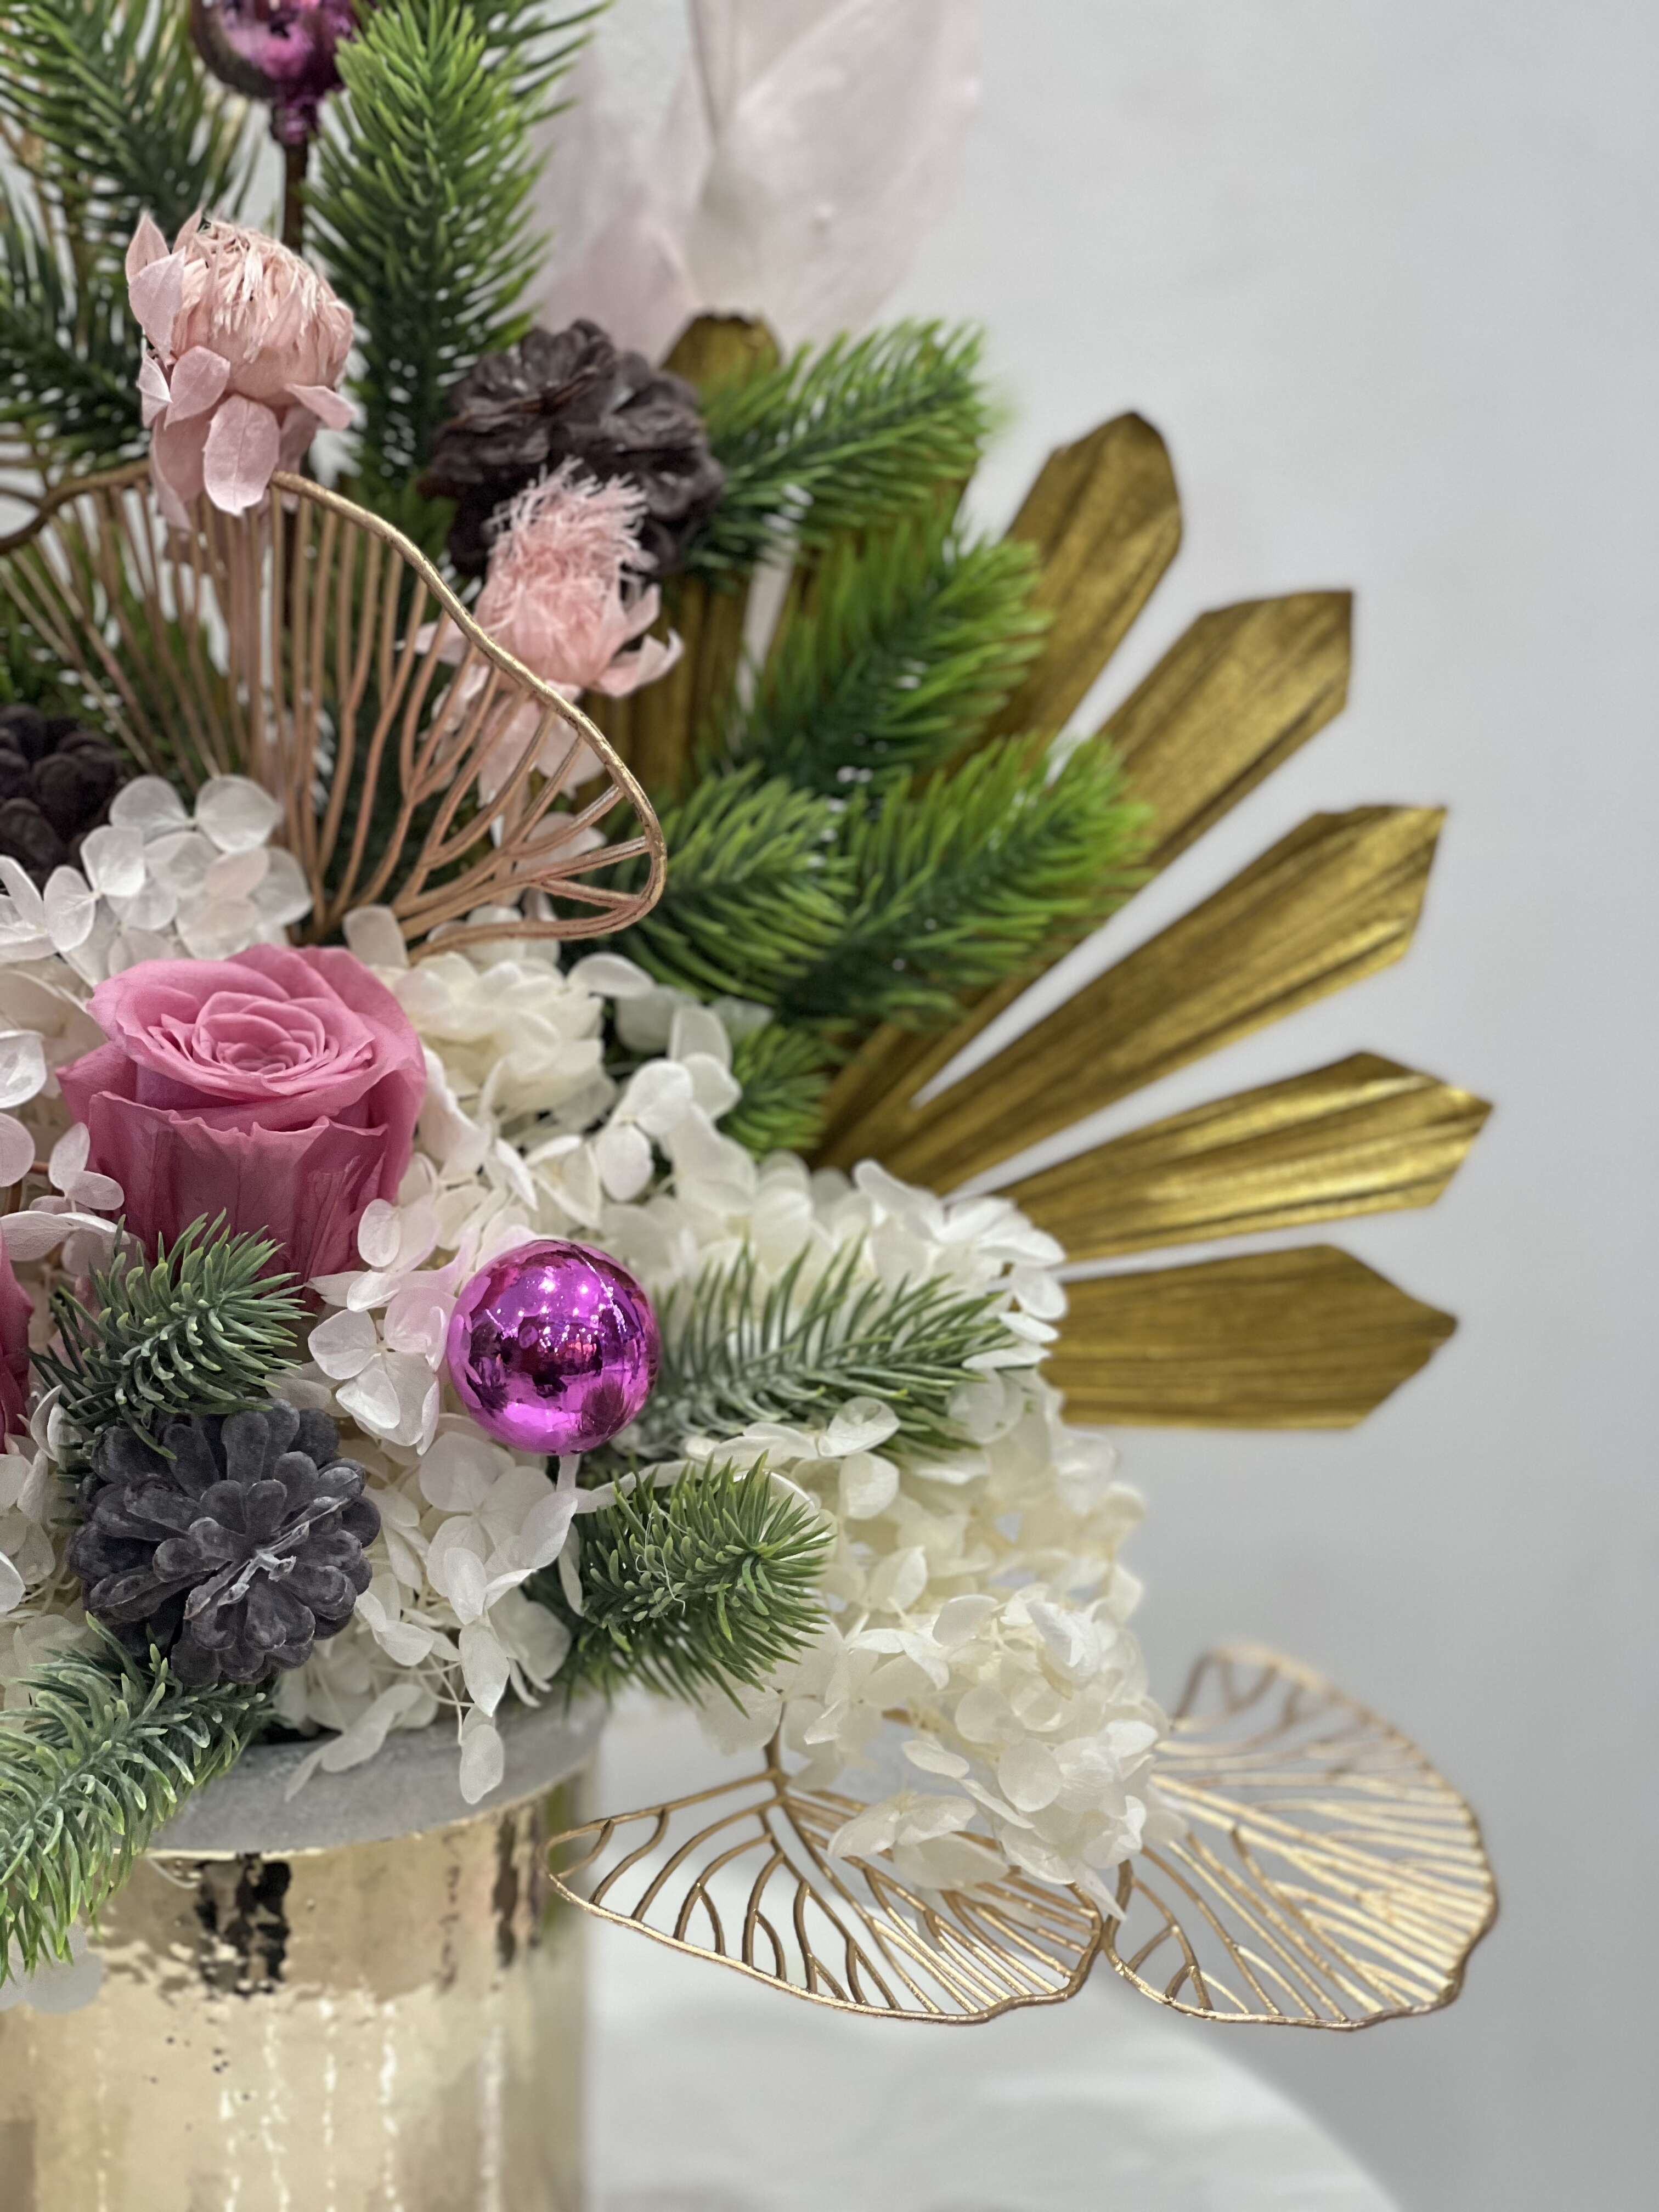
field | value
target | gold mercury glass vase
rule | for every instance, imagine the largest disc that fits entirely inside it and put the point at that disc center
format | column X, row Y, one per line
column 365, row 1998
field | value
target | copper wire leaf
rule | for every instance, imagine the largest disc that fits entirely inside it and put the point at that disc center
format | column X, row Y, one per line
column 1337, row 899
column 1328, row 1878
column 1362, row 1136
column 1306, row 1339
column 742, row 1874
column 290, row 645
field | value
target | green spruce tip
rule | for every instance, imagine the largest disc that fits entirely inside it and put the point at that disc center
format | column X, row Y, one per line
column 859, row 432
column 785, row 1076
column 103, row 1754
column 909, row 640
column 707, row 1584
column 421, row 205
column 735, row 1352
column 200, row 1329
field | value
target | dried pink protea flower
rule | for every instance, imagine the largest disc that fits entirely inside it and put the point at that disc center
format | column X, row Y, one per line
column 249, row 345
column 563, row 595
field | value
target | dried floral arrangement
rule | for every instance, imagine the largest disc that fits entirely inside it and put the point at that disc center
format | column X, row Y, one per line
column 402, row 1318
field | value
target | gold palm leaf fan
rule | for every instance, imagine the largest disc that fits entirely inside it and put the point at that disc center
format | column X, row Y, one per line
column 1308, row 1337
column 1327, row 1876
column 310, row 646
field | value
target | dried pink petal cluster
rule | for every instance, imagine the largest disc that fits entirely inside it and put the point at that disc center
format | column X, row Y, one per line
column 563, row 593
column 563, row 596
column 248, row 347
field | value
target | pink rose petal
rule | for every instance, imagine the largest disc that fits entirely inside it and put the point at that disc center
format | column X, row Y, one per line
column 332, row 409
column 243, row 447
column 199, row 377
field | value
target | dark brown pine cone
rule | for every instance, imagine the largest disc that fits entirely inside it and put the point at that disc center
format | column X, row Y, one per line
column 570, row 395
column 57, row 780
column 234, row 1554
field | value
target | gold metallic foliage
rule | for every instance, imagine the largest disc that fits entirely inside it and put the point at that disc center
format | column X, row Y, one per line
column 285, row 645
column 1335, row 900
column 1363, row 1136
column 742, row 1872
column 1328, row 1878
column 1306, row 1339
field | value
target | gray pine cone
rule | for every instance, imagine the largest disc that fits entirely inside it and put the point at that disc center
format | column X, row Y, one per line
column 570, row 395
column 233, row 1554
column 56, row 783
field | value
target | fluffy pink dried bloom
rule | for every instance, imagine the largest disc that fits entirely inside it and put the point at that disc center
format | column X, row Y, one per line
column 247, row 347
column 563, row 595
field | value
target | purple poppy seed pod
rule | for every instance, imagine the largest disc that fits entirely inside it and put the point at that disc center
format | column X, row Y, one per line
column 281, row 51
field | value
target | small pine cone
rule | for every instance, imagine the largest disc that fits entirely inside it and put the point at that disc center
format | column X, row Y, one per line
column 57, row 780
column 570, row 395
column 233, row 1554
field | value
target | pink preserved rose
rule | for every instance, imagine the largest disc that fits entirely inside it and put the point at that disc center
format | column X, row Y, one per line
column 248, row 346
column 280, row 1088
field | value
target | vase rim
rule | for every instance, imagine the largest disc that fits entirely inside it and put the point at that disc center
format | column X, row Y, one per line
column 411, row 1785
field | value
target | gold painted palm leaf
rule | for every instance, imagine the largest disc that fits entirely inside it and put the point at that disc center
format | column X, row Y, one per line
column 1328, row 1878
column 311, row 646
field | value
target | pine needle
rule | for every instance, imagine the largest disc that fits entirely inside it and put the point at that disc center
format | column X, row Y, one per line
column 89, row 1772
column 709, row 1583
column 200, row 1330
column 757, row 893
column 979, row 875
column 734, row 1353
column 784, row 1075
column 912, row 639
column 859, row 432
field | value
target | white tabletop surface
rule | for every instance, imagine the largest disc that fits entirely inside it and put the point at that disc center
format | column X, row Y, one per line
column 709, row 2093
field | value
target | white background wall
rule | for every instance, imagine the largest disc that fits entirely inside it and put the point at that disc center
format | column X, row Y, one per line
column 1382, row 270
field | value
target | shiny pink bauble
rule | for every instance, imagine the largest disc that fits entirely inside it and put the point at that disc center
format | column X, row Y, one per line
column 553, row 1347
column 278, row 51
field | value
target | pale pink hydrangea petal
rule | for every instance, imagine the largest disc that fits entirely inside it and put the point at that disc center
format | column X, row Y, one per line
column 147, row 243
column 154, row 396
column 176, row 465
column 157, row 294
column 243, row 447
column 642, row 664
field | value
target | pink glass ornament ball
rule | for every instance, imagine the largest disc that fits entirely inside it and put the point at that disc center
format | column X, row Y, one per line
column 278, row 51
column 553, row 1348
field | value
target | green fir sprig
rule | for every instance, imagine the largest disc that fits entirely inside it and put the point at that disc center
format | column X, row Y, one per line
column 422, row 209
column 757, row 891
column 974, row 877
column 115, row 117
column 708, row 1583
column 736, row 1351
column 861, row 432
column 68, row 391
column 89, row 1770
column 784, row 1075
column 200, row 1329
column 910, row 642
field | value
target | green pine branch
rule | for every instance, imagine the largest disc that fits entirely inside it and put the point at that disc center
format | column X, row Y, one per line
column 114, row 116
column 735, row 1352
column 973, row 878
column 757, row 893
column 859, row 433
column 89, row 1771
column 784, row 1075
column 68, row 359
column 422, row 207
column 708, row 1584
column 912, row 639
column 199, row 1330
column 538, row 43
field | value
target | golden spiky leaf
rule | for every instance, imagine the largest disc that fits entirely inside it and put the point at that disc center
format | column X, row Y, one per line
column 291, row 644
column 1362, row 1136
column 1305, row 1339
